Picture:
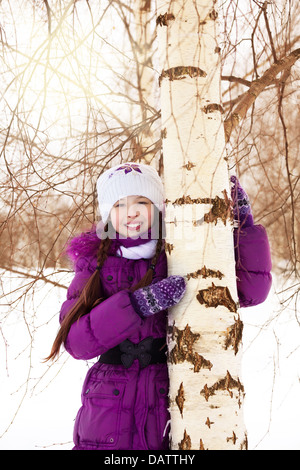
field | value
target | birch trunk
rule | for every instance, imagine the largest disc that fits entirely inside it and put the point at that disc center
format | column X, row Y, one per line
column 204, row 329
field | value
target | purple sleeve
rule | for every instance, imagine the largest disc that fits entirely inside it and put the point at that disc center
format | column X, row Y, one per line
column 253, row 264
column 104, row 327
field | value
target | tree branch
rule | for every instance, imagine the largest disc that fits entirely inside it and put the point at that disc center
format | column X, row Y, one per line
column 265, row 7
column 48, row 15
column 255, row 90
column 39, row 277
column 231, row 78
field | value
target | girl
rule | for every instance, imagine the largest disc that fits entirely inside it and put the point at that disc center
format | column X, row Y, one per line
column 117, row 304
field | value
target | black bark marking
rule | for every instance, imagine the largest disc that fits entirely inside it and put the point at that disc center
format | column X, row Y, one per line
column 212, row 107
column 202, row 445
column 188, row 200
column 189, row 166
column 163, row 20
column 228, row 383
column 180, row 399
column 213, row 14
column 205, row 273
column 221, row 209
column 215, row 296
column 183, row 349
column 181, row 72
column 233, row 438
column 234, row 335
column 186, row 442
column 244, row 444
column 169, row 247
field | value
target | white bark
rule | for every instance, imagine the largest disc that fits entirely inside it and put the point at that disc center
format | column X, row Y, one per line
column 206, row 393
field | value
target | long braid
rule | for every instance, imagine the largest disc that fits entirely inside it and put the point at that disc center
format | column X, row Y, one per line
column 159, row 243
column 102, row 255
column 90, row 296
column 103, row 250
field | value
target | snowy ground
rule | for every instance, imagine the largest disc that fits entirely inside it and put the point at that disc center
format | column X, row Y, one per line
column 38, row 403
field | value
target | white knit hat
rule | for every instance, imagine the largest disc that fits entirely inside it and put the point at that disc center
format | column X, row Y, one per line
column 128, row 179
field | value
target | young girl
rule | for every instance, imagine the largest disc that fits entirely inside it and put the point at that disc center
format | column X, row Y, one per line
column 117, row 305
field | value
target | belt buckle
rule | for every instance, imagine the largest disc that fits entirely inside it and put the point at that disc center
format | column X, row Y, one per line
column 140, row 351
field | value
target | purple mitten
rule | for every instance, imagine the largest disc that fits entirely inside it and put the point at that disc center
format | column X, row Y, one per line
column 159, row 296
column 241, row 204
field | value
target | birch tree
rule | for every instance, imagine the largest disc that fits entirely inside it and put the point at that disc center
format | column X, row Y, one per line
column 206, row 393
column 205, row 330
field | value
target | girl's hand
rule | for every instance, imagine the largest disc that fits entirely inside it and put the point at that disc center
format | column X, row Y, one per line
column 159, row 296
column 241, row 204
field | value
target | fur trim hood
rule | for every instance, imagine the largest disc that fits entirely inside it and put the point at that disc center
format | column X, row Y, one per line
column 84, row 245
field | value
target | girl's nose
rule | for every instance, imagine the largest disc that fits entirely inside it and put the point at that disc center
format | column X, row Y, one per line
column 132, row 211
column 132, row 217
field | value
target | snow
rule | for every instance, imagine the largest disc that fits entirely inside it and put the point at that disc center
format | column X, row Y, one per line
column 38, row 403
column 270, row 373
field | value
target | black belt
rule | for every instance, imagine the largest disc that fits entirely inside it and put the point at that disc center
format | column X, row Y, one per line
column 149, row 351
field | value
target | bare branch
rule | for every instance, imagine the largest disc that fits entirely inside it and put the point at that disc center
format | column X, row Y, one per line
column 231, row 78
column 256, row 88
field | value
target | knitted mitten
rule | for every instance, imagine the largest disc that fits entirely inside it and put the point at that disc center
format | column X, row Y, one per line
column 241, row 204
column 159, row 296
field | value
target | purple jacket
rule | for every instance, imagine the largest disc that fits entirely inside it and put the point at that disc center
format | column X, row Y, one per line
column 128, row 408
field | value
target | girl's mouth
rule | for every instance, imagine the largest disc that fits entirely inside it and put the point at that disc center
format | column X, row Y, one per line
column 133, row 226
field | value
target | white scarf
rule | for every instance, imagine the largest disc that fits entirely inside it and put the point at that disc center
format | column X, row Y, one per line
column 146, row 250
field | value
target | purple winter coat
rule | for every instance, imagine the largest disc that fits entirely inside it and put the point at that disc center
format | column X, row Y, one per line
column 128, row 408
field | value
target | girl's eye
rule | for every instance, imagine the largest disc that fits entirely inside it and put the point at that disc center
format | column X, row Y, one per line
column 121, row 204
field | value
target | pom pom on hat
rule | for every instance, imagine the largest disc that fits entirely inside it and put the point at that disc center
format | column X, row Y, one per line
column 128, row 179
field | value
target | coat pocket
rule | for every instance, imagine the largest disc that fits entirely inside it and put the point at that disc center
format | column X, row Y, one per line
column 162, row 412
column 100, row 416
column 156, row 429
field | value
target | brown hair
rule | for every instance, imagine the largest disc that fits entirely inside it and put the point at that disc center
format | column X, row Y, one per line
column 92, row 295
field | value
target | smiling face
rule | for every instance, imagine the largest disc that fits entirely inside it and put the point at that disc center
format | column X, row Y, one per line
column 132, row 215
